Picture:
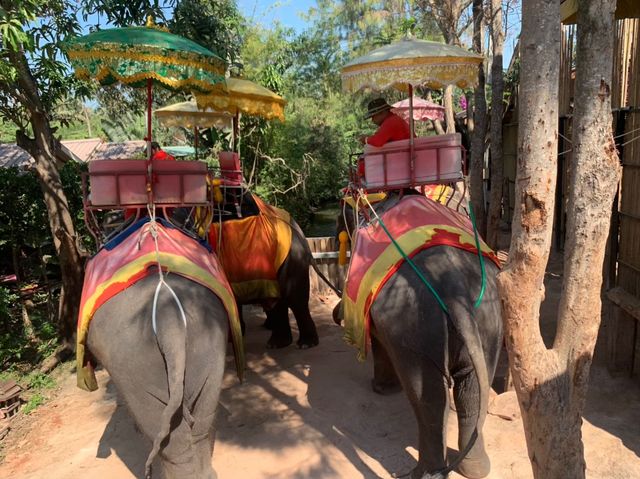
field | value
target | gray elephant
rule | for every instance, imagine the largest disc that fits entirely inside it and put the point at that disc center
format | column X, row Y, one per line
column 420, row 347
column 173, row 405
column 162, row 337
column 267, row 258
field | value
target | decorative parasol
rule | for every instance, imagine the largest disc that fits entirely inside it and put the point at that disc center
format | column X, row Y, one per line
column 244, row 96
column 142, row 56
column 410, row 62
column 423, row 110
column 187, row 115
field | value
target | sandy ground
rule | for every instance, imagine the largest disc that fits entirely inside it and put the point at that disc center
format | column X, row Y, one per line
column 304, row 414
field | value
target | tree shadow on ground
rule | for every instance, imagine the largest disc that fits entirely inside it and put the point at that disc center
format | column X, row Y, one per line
column 122, row 437
column 335, row 406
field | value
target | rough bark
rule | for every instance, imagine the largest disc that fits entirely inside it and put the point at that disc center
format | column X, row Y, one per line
column 551, row 383
column 497, row 108
column 449, row 118
column 43, row 148
column 476, row 164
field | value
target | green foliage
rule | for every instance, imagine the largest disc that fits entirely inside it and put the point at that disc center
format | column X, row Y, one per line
column 215, row 24
column 38, row 380
column 32, row 404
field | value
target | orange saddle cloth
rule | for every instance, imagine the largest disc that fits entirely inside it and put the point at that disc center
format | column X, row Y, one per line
column 252, row 249
column 416, row 223
column 132, row 256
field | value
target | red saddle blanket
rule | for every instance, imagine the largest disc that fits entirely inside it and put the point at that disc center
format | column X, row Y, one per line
column 252, row 249
column 133, row 256
column 416, row 223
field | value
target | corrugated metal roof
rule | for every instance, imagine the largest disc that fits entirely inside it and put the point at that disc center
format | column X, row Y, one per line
column 119, row 151
column 83, row 149
column 14, row 156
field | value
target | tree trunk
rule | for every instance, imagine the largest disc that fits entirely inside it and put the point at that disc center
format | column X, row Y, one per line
column 447, row 101
column 43, row 148
column 476, row 164
column 551, row 384
column 497, row 107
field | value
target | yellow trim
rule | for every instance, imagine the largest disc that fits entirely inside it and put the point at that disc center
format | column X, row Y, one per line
column 214, row 65
column 83, row 73
column 370, row 198
column 171, row 263
column 355, row 313
column 245, row 291
column 409, row 62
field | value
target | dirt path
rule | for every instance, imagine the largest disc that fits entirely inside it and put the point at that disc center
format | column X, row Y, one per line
column 303, row 414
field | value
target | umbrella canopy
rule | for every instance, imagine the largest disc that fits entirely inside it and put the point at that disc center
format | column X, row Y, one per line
column 187, row 114
column 423, row 110
column 244, row 96
column 134, row 55
column 412, row 62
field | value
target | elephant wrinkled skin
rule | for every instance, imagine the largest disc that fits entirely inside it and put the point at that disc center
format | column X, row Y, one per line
column 416, row 346
column 170, row 382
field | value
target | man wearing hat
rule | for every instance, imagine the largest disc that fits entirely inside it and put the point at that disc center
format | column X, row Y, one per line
column 390, row 126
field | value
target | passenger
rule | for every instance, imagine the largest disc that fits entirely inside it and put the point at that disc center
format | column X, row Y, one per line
column 390, row 126
column 157, row 153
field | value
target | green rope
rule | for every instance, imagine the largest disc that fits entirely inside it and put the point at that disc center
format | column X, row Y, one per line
column 415, row 268
column 482, row 269
column 424, row 280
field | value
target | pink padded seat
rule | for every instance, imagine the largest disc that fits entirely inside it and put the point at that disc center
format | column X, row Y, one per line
column 118, row 182
column 124, row 182
column 438, row 159
column 230, row 167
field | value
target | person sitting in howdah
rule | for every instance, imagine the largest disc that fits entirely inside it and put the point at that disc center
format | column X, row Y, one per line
column 390, row 126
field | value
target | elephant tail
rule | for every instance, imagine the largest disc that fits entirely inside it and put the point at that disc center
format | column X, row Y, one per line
column 174, row 352
column 463, row 320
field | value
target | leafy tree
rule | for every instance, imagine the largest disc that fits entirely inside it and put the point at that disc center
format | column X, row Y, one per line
column 33, row 79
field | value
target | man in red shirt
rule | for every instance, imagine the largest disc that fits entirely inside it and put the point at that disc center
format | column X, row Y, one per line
column 390, row 126
column 158, row 153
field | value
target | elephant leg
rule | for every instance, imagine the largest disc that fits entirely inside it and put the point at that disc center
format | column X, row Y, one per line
column 385, row 380
column 308, row 335
column 278, row 317
column 428, row 394
column 466, row 392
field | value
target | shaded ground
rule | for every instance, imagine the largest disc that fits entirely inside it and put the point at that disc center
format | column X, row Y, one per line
column 307, row 414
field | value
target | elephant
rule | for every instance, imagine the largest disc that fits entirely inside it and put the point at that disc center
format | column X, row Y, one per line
column 170, row 381
column 289, row 289
column 420, row 348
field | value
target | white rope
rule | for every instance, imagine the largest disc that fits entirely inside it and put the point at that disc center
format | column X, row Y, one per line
column 564, row 137
column 631, row 140
column 154, row 231
column 626, row 133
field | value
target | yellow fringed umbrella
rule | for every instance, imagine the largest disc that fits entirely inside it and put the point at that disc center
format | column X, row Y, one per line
column 244, row 97
column 408, row 63
column 186, row 114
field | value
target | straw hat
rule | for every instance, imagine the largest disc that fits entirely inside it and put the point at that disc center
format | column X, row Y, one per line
column 377, row 106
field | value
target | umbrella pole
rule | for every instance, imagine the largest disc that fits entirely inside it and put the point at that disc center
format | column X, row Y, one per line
column 236, row 127
column 195, row 140
column 149, row 106
column 411, row 141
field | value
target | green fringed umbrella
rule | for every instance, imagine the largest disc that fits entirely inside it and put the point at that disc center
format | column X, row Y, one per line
column 143, row 56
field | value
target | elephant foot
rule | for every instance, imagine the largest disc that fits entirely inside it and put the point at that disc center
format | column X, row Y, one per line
column 385, row 388
column 277, row 341
column 475, row 467
column 308, row 341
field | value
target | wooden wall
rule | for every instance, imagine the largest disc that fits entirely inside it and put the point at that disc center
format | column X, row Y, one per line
column 325, row 253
